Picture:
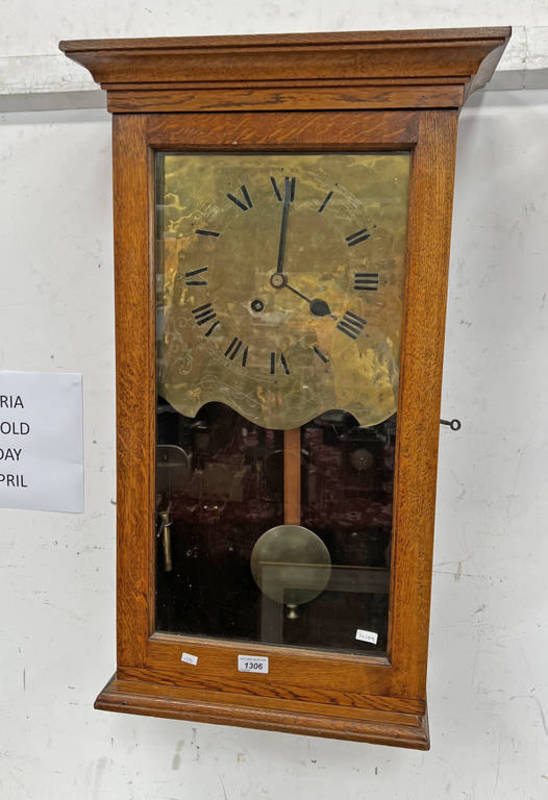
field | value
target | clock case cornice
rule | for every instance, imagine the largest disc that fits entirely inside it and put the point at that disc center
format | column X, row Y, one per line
column 424, row 69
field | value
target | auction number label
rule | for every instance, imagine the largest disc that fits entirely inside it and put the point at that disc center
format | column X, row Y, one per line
column 253, row 664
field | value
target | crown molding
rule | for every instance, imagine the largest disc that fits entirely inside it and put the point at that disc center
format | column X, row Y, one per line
column 436, row 68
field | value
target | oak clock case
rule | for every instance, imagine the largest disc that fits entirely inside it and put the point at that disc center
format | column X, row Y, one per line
column 282, row 216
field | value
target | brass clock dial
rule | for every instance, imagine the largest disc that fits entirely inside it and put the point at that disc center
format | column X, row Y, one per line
column 282, row 283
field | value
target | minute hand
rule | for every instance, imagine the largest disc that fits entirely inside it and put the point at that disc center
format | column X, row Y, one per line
column 283, row 229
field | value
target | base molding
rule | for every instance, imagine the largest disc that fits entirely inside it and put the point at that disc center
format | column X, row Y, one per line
column 149, row 699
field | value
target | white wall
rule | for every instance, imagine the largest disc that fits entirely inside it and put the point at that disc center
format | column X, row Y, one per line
column 488, row 679
column 30, row 61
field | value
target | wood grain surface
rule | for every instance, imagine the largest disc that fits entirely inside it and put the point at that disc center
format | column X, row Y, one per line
column 292, row 476
column 311, row 92
column 379, row 69
column 137, row 697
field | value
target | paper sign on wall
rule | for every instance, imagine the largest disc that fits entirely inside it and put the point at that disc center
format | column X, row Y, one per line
column 41, row 441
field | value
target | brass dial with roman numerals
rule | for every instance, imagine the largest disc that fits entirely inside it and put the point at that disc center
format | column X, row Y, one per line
column 281, row 283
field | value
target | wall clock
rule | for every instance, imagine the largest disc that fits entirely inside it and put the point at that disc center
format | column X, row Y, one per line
column 282, row 220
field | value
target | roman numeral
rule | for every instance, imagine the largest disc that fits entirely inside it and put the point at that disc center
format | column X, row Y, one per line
column 320, row 355
column 244, row 204
column 289, row 186
column 282, row 362
column 203, row 232
column 351, row 324
column 234, row 348
column 192, row 279
column 203, row 314
column 366, row 281
column 210, row 330
column 356, row 238
column 325, row 202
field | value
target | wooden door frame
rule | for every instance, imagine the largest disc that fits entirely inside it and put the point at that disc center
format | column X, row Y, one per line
column 300, row 682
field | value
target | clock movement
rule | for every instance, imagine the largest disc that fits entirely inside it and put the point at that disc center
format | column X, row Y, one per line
column 282, row 210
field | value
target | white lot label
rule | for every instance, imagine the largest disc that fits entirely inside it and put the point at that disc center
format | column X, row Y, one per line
column 367, row 636
column 188, row 658
column 253, row 664
column 41, row 441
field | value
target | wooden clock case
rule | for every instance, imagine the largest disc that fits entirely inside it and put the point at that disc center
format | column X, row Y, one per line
column 305, row 92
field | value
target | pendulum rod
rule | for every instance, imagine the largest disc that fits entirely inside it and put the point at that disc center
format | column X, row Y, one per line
column 292, row 476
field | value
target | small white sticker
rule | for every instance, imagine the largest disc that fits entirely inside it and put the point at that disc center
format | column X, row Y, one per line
column 366, row 636
column 253, row 664
column 189, row 659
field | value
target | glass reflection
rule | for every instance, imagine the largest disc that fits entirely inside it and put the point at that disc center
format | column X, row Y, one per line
column 220, row 486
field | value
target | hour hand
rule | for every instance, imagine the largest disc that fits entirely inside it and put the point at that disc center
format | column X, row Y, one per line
column 320, row 308
column 317, row 307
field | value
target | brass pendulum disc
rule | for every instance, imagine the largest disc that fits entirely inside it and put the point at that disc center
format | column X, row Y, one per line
column 290, row 564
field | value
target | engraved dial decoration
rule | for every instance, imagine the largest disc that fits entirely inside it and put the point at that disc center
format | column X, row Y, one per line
column 282, row 282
